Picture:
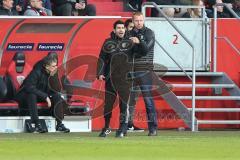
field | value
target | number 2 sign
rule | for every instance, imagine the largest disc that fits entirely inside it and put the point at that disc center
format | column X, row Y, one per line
column 175, row 40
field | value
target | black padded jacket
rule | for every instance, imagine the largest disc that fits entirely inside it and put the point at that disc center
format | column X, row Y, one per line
column 37, row 82
column 147, row 40
column 60, row 2
column 116, row 56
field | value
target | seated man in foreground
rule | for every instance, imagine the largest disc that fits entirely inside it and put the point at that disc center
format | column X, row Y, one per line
column 36, row 88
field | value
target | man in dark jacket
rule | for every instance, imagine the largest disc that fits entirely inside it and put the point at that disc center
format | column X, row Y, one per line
column 222, row 12
column 113, row 66
column 36, row 88
column 6, row 8
column 143, row 69
column 66, row 7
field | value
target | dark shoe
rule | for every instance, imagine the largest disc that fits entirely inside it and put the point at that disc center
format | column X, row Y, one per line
column 119, row 134
column 62, row 128
column 40, row 129
column 133, row 7
column 152, row 133
column 125, row 133
column 134, row 129
column 105, row 132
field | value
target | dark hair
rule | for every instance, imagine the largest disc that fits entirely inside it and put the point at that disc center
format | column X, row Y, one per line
column 50, row 58
column 54, row 54
column 127, row 22
column 116, row 23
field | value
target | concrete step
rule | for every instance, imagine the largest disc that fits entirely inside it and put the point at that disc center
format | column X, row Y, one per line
column 189, row 73
column 210, row 97
column 216, row 109
column 16, row 124
column 203, row 85
column 218, row 121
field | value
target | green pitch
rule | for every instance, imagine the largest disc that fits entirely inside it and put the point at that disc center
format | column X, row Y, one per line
column 168, row 145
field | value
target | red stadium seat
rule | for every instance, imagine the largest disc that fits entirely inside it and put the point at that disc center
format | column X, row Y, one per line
column 110, row 8
column 18, row 70
column 15, row 74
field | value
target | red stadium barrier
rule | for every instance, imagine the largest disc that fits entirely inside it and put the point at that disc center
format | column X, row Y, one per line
column 78, row 41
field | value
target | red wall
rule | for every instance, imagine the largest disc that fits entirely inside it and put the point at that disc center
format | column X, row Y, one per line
column 228, row 59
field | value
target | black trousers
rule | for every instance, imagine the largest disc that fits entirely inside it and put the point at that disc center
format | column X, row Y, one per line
column 135, row 3
column 64, row 10
column 111, row 91
column 143, row 81
column 90, row 10
column 67, row 10
column 133, row 96
column 30, row 101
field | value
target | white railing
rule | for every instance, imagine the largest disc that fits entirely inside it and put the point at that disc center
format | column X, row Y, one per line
column 154, row 5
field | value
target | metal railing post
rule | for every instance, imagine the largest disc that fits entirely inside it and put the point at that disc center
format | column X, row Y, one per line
column 215, row 39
